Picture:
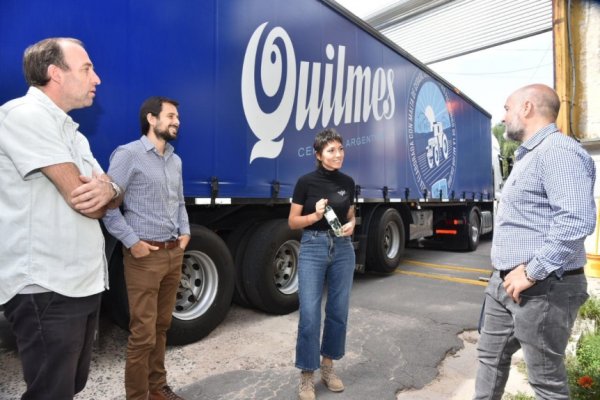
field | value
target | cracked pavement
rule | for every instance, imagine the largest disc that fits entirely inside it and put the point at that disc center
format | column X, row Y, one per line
column 400, row 329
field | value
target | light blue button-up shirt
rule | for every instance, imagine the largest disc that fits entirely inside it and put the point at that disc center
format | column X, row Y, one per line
column 547, row 207
column 46, row 245
column 153, row 206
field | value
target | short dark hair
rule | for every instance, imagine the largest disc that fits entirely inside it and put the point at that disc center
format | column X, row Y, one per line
column 152, row 105
column 39, row 56
column 324, row 137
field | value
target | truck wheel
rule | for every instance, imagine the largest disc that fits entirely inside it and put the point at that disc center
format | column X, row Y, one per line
column 386, row 240
column 204, row 294
column 473, row 229
column 237, row 242
column 271, row 267
column 205, row 290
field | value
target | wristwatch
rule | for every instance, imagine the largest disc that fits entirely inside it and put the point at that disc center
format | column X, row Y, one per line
column 530, row 279
column 116, row 188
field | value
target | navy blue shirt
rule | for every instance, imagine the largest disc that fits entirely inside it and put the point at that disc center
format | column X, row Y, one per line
column 336, row 187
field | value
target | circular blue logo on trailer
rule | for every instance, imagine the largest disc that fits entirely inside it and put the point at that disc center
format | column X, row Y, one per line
column 431, row 137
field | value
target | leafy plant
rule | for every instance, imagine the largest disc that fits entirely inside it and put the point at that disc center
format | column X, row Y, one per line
column 507, row 147
column 584, row 369
column 588, row 353
column 591, row 310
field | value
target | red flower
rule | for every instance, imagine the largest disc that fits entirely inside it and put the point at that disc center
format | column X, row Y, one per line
column 585, row 382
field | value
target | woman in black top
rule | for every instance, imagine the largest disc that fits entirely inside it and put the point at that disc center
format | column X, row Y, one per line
column 325, row 259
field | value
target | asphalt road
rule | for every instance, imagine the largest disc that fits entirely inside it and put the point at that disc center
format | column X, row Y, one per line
column 401, row 327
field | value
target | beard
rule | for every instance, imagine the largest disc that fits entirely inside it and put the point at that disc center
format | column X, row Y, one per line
column 165, row 134
column 515, row 133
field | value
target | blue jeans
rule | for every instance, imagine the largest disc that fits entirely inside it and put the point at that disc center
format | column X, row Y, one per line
column 324, row 259
column 541, row 325
column 54, row 336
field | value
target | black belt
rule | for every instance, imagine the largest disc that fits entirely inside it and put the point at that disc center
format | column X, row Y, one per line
column 577, row 271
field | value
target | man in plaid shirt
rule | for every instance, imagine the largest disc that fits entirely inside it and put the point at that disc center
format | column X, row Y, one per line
column 546, row 211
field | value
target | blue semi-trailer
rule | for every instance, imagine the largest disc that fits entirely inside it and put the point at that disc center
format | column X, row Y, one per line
column 256, row 79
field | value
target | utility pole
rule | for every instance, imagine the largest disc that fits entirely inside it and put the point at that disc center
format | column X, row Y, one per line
column 576, row 28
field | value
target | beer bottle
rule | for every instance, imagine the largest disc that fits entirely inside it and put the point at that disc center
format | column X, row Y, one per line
column 333, row 220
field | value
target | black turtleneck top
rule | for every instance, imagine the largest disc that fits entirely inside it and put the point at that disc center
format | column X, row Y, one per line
column 336, row 187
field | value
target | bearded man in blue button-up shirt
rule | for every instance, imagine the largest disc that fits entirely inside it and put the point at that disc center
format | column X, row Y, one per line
column 546, row 211
column 154, row 230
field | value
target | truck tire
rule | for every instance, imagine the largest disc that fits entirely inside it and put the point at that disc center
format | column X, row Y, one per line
column 206, row 288
column 473, row 229
column 237, row 242
column 385, row 241
column 271, row 267
column 207, row 272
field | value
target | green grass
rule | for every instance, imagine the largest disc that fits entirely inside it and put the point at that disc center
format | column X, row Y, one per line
column 518, row 396
column 522, row 367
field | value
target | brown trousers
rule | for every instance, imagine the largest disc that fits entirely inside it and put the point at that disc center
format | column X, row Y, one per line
column 152, row 283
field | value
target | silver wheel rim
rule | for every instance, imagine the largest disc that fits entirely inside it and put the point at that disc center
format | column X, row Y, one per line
column 198, row 286
column 285, row 267
column 391, row 240
column 474, row 228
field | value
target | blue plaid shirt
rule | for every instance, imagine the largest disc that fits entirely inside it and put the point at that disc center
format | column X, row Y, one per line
column 153, row 206
column 547, row 207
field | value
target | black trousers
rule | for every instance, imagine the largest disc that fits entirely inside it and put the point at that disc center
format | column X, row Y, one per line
column 54, row 336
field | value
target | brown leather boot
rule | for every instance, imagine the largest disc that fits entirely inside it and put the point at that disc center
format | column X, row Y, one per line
column 164, row 393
